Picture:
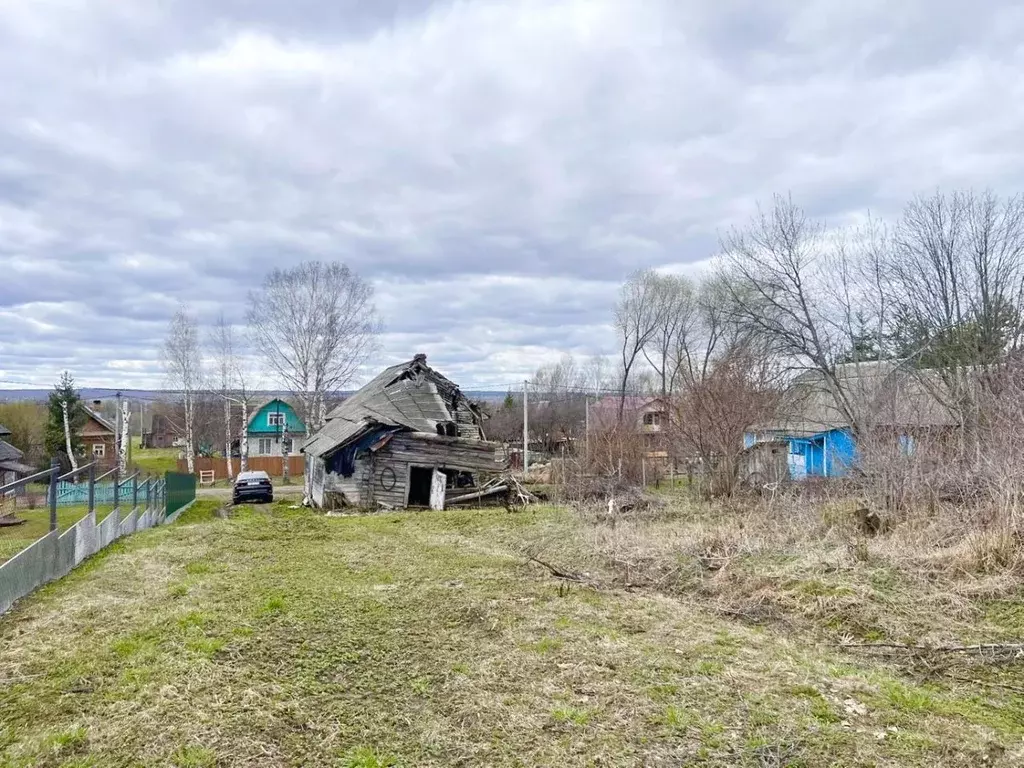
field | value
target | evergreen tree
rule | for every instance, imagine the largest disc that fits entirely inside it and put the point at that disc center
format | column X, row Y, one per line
column 54, row 440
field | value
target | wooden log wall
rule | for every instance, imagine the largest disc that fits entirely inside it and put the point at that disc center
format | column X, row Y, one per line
column 383, row 477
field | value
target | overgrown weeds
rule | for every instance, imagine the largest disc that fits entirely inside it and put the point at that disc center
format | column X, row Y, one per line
column 808, row 562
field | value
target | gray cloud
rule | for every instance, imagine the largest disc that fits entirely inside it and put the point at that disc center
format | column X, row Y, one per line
column 496, row 167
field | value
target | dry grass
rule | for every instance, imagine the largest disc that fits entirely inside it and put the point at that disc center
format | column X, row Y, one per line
column 282, row 638
column 926, row 578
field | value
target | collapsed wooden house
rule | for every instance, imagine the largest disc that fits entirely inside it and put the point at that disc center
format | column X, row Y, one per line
column 409, row 438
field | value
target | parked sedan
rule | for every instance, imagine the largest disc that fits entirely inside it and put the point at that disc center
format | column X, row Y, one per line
column 252, row 486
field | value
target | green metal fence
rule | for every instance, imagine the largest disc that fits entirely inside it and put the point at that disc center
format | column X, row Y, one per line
column 181, row 491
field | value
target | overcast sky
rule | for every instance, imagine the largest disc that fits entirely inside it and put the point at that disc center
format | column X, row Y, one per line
column 495, row 167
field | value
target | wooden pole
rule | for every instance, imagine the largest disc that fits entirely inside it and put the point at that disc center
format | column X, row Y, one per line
column 526, row 431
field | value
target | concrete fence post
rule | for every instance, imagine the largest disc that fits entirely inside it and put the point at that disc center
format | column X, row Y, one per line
column 92, row 488
column 54, row 474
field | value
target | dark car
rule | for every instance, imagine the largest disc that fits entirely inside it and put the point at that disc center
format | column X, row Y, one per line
column 252, row 486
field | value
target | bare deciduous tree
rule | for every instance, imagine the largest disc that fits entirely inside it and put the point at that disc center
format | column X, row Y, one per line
column 637, row 319
column 956, row 273
column 597, row 374
column 675, row 314
column 183, row 363
column 231, row 368
column 314, row 324
column 776, row 271
column 558, row 402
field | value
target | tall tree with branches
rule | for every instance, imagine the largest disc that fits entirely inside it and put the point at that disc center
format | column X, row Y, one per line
column 956, row 274
column 776, row 273
column 314, row 324
column 66, row 417
column 675, row 316
column 183, row 364
column 638, row 315
column 227, row 368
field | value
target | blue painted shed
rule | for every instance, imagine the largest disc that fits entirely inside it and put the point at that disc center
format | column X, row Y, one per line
column 831, row 453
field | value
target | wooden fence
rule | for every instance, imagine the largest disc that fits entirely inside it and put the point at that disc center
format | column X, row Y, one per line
column 272, row 465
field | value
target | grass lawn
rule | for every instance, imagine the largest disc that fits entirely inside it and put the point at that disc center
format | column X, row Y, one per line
column 278, row 637
column 155, row 460
column 15, row 538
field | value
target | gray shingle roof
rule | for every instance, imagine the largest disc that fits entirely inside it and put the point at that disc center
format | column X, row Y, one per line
column 4, row 431
column 9, row 453
column 885, row 393
column 410, row 395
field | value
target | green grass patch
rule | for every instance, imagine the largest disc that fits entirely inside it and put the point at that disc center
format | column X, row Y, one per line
column 283, row 637
column 15, row 538
column 155, row 461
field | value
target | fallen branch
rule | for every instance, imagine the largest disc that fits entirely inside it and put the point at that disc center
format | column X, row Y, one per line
column 561, row 574
column 994, row 649
column 478, row 494
column 989, row 683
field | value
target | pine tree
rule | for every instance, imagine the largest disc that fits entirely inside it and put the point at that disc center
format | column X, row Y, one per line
column 54, row 440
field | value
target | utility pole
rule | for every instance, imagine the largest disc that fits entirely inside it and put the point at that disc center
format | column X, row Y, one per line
column 130, row 440
column 526, row 431
column 284, row 453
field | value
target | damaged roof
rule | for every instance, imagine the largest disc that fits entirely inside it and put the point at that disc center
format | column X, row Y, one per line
column 410, row 395
column 9, row 453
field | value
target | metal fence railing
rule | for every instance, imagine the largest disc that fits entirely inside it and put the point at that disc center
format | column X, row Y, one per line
column 181, row 490
column 147, row 499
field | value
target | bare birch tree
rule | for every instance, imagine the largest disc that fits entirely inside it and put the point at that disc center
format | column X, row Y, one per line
column 637, row 319
column 125, row 437
column 183, row 363
column 67, row 435
column 314, row 324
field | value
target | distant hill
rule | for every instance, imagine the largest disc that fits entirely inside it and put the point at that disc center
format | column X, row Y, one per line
column 89, row 394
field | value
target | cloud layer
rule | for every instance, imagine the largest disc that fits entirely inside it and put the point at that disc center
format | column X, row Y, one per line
column 495, row 167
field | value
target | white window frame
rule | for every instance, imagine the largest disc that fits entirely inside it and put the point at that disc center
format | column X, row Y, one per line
column 276, row 419
column 652, row 419
column 260, row 450
column 101, row 453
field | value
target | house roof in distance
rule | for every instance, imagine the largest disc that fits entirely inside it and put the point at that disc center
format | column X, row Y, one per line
column 9, row 453
column 100, row 420
column 887, row 393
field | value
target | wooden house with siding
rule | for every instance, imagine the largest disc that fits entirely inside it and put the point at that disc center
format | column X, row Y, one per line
column 403, row 440
column 99, row 438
